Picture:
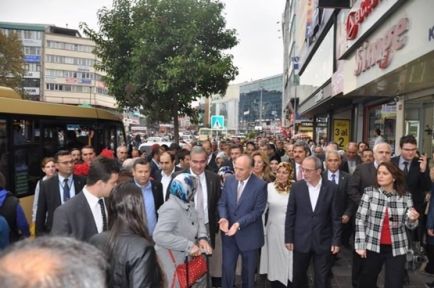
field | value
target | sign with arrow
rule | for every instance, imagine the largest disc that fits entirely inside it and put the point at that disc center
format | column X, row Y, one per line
column 217, row 122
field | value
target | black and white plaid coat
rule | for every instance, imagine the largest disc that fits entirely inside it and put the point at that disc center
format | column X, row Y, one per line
column 370, row 216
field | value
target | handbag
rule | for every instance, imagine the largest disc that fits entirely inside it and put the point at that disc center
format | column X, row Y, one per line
column 190, row 271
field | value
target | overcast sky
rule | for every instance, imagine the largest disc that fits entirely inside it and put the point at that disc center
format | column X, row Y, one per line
column 258, row 55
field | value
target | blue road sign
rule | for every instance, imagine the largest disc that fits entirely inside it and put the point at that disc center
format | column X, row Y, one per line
column 217, row 122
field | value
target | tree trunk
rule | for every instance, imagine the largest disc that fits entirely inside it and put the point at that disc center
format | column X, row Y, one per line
column 175, row 119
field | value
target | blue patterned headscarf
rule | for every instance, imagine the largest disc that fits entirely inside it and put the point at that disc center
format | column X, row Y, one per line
column 183, row 187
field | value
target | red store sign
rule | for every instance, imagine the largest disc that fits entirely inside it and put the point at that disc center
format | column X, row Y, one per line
column 382, row 50
column 357, row 17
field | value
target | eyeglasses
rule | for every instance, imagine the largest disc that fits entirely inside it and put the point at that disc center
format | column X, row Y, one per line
column 66, row 162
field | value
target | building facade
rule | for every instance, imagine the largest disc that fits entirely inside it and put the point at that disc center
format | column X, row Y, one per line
column 369, row 67
column 59, row 66
column 260, row 105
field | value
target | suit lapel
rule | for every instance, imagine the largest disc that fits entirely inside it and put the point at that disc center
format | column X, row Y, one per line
column 305, row 194
column 322, row 194
column 56, row 196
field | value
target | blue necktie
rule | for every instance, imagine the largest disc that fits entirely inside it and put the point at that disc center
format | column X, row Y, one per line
column 66, row 189
column 334, row 178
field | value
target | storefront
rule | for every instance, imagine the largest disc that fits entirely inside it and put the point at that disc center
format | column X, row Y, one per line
column 388, row 68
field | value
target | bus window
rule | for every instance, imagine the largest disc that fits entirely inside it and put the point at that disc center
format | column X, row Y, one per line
column 4, row 151
column 24, row 131
column 27, row 169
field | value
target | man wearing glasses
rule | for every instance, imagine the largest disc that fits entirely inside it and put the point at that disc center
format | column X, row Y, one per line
column 56, row 190
column 312, row 226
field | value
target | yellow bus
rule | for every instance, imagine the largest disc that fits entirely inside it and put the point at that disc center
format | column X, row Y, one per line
column 32, row 130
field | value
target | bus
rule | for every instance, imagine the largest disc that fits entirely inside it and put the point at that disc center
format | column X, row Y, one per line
column 211, row 133
column 32, row 130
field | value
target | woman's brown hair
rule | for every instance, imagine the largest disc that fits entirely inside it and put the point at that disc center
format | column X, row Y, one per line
column 398, row 176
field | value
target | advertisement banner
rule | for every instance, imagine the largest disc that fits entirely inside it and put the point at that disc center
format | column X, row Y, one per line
column 341, row 132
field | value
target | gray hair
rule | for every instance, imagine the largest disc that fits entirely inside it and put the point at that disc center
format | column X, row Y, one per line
column 379, row 144
column 67, row 263
column 316, row 160
column 333, row 152
column 303, row 145
column 198, row 150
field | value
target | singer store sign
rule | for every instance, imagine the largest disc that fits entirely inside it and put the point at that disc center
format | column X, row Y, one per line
column 381, row 51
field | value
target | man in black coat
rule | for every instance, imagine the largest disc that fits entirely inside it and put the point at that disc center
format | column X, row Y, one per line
column 344, row 203
column 86, row 215
column 417, row 178
column 56, row 190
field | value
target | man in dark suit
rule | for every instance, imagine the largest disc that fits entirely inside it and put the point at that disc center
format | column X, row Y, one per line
column 152, row 191
column 312, row 225
column 56, row 190
column 240, row 208
column 344, row 203
column 417, row 177
column 300, row 151
column 168, row 167
column 86, row 215
column 351, row 159
column 365, row 175
column 211, row 156
column 235, row 151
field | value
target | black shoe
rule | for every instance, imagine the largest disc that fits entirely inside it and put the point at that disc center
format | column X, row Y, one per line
column 429, row 285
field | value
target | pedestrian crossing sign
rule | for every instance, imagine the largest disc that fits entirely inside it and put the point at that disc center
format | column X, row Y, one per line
column 217, row 122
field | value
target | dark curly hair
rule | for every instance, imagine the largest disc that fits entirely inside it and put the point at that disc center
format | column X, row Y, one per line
column 398, row 176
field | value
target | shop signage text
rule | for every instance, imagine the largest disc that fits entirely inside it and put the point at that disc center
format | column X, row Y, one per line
column 357, row 17
column 431, row 33
column 382, row 50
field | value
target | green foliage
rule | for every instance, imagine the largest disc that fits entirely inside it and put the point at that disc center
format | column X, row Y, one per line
column 11, row 61
column 161, row 55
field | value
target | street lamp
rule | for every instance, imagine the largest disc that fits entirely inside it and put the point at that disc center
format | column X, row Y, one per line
column 260, row 108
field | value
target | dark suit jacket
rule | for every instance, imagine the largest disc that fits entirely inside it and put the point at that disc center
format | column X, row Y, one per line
column 157, row 191
column 344, row 166
column 247, row 212
column 416, row 182
column 158, row 176
column 212, row 165
column 49, row 200
column 74, row 219
column 344, row 203
column 311, row 230
column 213, row 191
column 364, row 176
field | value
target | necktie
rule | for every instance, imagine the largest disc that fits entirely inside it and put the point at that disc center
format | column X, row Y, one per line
column 299, row 174
column 66, row 189
column 240, row 190
column 104, row 216
column 199, row 204
column 405, row 168
column 334, row 178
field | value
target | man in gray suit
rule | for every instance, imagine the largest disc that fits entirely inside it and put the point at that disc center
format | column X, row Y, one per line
column 86, row 215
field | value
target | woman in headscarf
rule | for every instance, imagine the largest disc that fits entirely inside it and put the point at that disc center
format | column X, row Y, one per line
column 180, row 229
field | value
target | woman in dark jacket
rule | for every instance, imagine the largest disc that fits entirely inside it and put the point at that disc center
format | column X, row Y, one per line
column 127, row 244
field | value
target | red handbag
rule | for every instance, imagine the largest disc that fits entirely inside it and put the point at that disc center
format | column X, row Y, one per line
column 189, row 272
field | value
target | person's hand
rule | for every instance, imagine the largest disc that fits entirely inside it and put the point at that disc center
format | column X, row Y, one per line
column 361, row 252
column 430, row 232
column 234, row 229
column 195, row 250
column 289, row 246
column 423, row 162
column 345, row 219
column 224, row 225
column 412, row 214
column 205, row 247
column 335, row 249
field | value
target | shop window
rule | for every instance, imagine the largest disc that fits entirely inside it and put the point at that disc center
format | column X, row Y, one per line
column 383, row 118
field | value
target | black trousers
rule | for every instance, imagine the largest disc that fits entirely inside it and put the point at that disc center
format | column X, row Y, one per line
column 321, row 266
column 394, row 272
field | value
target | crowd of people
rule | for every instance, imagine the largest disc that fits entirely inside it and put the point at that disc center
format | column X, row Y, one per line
column 267, row 206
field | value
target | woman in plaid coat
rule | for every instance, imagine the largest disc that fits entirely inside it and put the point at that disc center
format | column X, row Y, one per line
column 383, row 214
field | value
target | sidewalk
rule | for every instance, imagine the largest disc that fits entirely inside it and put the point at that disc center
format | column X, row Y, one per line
column 342, row 275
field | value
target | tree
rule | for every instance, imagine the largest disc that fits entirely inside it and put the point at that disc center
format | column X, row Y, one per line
column 11, row 61
column 161, row 55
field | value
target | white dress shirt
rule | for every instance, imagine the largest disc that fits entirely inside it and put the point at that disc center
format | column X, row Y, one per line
column 70, row 184
column 329, row 176
column 165, row 181
column 314, row 193
column 92, row 200
column 202, row 180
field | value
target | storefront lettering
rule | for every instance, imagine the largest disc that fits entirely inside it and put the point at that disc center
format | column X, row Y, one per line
column 382, row 50
column 357, row 17
column 431, row 34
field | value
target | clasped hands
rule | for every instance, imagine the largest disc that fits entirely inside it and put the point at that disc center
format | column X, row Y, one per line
column 224, row 227
column 202, row 247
